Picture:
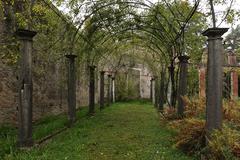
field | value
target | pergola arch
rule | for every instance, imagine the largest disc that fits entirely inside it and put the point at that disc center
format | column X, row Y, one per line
column 164, row 44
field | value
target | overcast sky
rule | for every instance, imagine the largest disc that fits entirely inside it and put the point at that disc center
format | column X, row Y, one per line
column 219, row 9
column 204, row 4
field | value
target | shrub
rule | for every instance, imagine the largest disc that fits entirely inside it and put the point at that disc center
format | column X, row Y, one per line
column 191, row 138
column 224, row 144
column 231, row 111
column 194, row 107
column 191, row 135
column 169, row 113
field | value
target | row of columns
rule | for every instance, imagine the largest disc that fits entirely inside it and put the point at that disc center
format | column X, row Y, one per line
column 214, row 81
column 157, row 93
column 110, row 90
column 213, row 92
column 26, row 89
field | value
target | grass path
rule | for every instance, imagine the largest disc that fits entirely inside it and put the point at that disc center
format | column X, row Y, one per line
column 124, row 131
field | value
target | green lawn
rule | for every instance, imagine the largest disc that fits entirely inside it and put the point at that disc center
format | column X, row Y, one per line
column 123, row 131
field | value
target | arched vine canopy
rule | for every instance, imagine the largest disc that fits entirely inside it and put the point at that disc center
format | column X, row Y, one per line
column 111, row 33
column 164, row 30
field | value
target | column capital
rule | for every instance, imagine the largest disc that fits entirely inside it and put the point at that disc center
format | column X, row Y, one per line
column 92, row 67
column 231, row 52
column 215, row 32
column 71, row 56
column 183, row 59
column 25, row 34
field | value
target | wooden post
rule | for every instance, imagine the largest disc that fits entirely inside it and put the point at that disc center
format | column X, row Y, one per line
column 214, row 78
column 102, row 90
column 182, row 91
column 91, row 89
column 25, row 89
column 71, row 89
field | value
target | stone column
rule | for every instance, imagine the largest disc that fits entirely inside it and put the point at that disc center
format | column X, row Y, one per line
column 171, row 69
column 202, row 81
column 156, row 92
column 113, row 90
column 182, row 90
column 151, row 87
column 92, row 89
column 71, row 89
column 169, row 91
column 162, row 91
column 153, row 90
column 232, row 61
column 102, row 90
column 214, row 78
column 109, row 90
column 25, row 89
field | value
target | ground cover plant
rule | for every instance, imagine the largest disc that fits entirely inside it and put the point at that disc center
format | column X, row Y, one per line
column 129, row 130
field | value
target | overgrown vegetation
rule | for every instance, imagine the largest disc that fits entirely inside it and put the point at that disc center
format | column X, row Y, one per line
column 191, row 134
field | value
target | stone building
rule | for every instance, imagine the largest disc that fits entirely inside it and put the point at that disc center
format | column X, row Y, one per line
column 231, row 76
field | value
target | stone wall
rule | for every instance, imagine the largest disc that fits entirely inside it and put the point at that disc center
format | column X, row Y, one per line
column 49, row 92
column 145, row 82
column 133, row 83
column 50, row 88
column 8, row 94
